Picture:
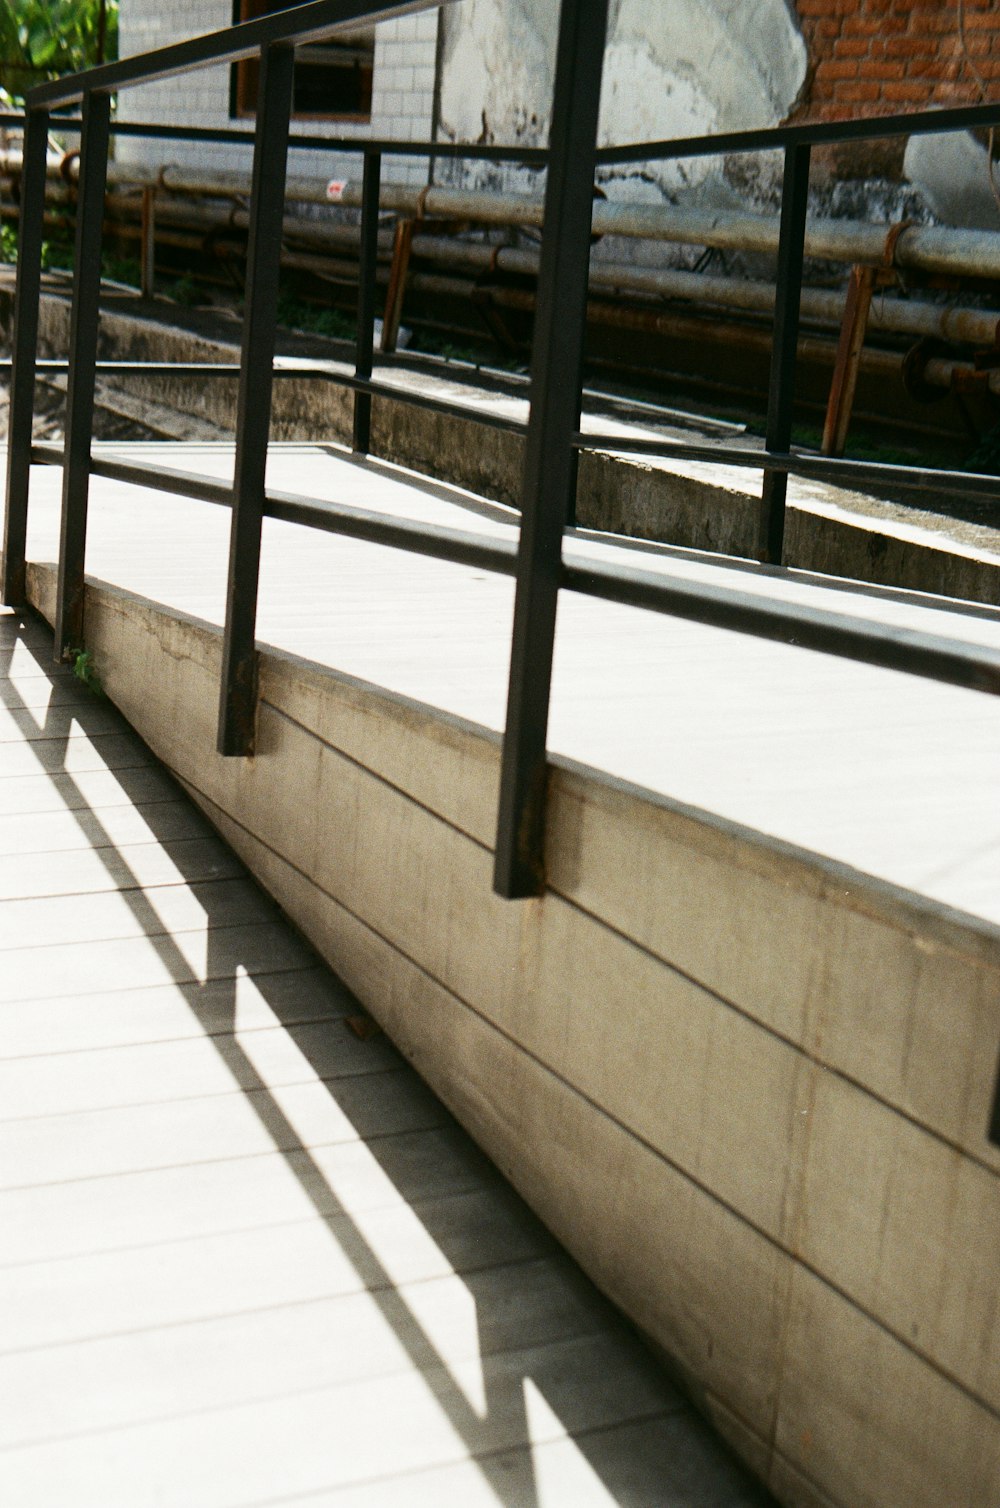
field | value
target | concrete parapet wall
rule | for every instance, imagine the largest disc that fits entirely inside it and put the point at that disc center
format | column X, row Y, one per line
column 699, row 507
column 746, row 1087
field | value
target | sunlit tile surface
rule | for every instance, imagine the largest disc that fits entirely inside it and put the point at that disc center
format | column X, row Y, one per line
column 245, row 1255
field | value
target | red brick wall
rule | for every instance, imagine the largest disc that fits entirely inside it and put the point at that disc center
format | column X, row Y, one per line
column 877, row 57
column 874, row 57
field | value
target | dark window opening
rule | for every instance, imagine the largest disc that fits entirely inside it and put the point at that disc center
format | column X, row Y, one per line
column 333, row 80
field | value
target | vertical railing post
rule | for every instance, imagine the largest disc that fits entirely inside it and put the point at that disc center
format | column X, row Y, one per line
column 550, row 462
column 25, row 346
column 367, row 271
column 781, row 390
column 238, row 694
column 84, row 323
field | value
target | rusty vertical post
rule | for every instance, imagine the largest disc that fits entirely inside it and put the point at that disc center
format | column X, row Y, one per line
column 148, row 242
column 401, row 247
column 853, row 329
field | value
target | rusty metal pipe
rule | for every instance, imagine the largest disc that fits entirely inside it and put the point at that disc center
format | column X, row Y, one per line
column 937, row 372
column 979, row 327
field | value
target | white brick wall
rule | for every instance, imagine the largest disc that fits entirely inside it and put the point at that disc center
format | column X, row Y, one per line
column 402, row 93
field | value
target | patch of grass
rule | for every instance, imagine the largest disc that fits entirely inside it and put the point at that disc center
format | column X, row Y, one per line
column 125, row 270
column 85, row 670
column 295, row 314
column 185, row 291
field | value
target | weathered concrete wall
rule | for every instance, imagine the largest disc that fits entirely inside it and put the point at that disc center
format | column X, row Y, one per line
column 746, row 1087
column 673, row 69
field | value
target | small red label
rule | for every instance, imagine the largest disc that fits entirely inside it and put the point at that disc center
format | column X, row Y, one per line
column 335, row 189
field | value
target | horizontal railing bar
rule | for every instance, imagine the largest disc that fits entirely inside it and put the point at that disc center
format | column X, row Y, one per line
column 767, row 138
column 931, row 656
column 424, row 400
column 817, row 133
column 840, row 470
column 303, row 23
column 435, row 540
column 452, row 545
column 161, row 478
column 387, row 146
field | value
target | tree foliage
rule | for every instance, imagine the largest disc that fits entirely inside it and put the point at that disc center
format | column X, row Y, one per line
column 43, row 39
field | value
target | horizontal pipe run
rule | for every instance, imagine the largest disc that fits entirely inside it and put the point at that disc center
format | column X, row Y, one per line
column 900, row 316
column 931, row 656
column 944, row 250
column 980, row 327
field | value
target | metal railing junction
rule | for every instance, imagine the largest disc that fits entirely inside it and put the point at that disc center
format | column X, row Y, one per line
column 552, row 432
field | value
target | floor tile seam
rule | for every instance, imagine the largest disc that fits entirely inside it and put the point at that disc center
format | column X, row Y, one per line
column 414, row 1203
column 319, row 969
column 125, row 844
column 304, row 1499
column 127, row 804
column 126, row 733
column 79, row 736
column 100, row 769
column 276, row 923
column 164, row 845
column 237, row 1092
column 321, row 1019
column 299, row 1150
column 62, row 810
column 236, row 872
column 194, row 1322
column 181, row 984
column 145, row 762
column 410, row 1370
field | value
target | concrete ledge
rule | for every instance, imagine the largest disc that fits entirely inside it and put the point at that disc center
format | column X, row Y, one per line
column 747, row 1088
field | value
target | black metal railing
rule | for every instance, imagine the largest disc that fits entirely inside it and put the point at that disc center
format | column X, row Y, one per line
column 553, row 438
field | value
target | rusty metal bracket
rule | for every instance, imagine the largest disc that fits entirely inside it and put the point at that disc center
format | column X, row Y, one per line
column 892, row 240
column 401, row 248
column 66, row 164
column 847, row 365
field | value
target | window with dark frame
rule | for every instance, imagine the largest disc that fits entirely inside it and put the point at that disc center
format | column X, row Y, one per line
column 333, row 80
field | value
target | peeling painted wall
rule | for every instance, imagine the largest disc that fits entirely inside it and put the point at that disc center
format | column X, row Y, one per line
column 680, row 67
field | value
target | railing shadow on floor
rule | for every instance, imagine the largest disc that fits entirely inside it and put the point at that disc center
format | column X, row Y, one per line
column 435, row 1202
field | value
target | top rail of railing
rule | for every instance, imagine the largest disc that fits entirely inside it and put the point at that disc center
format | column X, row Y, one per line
column 387, row 146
